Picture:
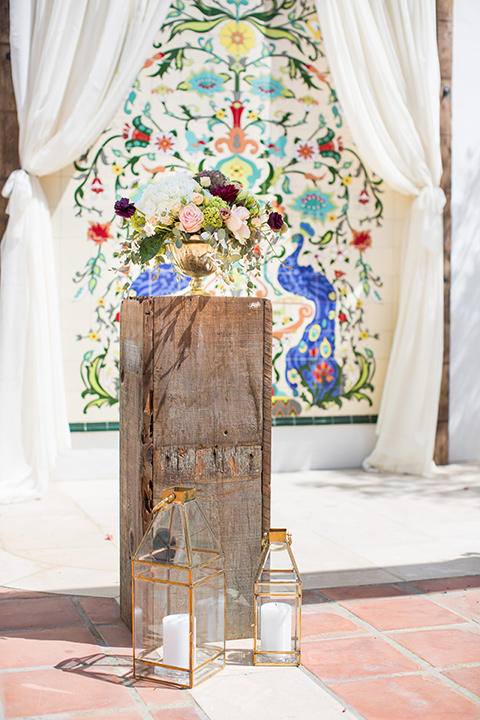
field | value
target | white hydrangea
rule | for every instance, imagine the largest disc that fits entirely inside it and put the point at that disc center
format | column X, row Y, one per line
column 178, row 184
column 157, row 197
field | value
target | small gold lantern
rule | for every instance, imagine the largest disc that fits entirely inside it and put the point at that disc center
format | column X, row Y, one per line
column 278, row 603
column 178, row 600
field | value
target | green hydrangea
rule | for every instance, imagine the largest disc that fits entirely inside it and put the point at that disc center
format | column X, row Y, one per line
column 211, row 211
column 215, row 201
column 138, row 221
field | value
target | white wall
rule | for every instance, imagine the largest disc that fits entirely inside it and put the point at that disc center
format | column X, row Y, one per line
column 465, row 295
column 319, row 447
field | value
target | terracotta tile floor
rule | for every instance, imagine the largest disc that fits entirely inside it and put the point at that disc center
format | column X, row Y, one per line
column 391, row 575
column 386, row 652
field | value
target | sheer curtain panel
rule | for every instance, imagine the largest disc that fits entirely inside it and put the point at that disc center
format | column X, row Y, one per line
column 384, row 61
column 73, row 62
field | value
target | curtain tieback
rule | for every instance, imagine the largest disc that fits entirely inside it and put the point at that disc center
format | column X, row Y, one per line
column 431, row 200
column 18, row 188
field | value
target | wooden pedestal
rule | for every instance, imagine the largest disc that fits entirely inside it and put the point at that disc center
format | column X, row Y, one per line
column 195, row 409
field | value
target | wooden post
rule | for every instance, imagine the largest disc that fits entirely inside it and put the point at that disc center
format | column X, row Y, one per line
column 195, row 409
column 444, row 36
column 9, row 160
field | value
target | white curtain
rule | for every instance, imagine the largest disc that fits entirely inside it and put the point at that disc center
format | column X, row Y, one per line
column 73, row 62
column 384, row 61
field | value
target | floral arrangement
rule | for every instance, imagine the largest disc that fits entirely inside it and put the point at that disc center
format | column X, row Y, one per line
column 208, row 208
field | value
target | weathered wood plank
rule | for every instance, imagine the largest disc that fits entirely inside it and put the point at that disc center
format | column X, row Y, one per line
column 208, row 374
column 267, row 415
column 131, row 448
column 147, row 420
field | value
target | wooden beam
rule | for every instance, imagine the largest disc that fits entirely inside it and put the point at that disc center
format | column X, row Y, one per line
column 8, row 112
column 444, row 37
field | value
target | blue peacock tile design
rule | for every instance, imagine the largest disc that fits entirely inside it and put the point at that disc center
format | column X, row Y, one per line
column 159, row 282
column 311, row 369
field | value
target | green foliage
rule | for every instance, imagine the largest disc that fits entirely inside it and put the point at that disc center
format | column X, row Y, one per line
column 91, row 376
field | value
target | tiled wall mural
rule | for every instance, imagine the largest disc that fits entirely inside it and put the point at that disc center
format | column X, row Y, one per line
column 244, row 87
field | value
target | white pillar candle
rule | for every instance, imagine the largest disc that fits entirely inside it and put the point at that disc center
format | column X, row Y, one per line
column 176, row 640
column 276, row 625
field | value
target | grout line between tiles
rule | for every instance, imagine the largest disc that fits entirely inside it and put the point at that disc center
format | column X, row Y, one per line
column 425, row 628
column 37, row 629
column 18, row 670
column 199, row 709
column 332, row 636
column 407, row 673
column 40, row 595
column 330, row 692
column 79, row 714
column 456, row 666
column 388, row 633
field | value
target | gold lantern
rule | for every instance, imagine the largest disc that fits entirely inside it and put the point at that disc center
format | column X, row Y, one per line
column 278, row 603
column 178, row 595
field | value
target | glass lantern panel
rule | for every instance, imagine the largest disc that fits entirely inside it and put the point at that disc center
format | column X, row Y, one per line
column 162, row 632
column 209, row 611
column 277, row 588
column 279, row 561
column 161, row 573
column 164, row 543
column 204, row 545
column 278, row 630
column 201, row 573
column 285, row 576
column 202, row 673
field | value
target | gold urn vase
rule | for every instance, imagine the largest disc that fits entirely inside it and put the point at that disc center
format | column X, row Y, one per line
column 192, row 260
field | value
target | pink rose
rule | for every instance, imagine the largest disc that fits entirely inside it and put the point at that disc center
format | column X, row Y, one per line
column 176, row 206
column 191, row 218
column 236, row 222
column 197, row 198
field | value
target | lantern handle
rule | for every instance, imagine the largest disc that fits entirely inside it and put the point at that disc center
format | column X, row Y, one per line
column 166, row 501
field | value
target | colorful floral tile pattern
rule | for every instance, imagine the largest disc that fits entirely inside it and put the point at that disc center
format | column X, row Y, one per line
column 245, row 88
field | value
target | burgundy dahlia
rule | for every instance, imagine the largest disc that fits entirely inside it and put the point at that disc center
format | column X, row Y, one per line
column 124, row 208
column 226, row 192
column 275, row 220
